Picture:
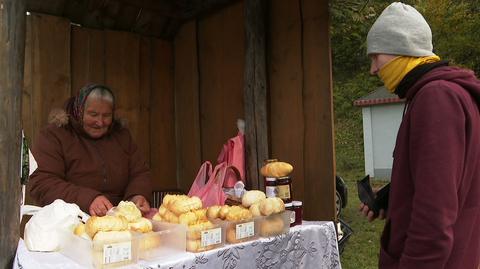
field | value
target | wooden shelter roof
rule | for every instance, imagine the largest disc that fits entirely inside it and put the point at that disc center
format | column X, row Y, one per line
column 157, row 18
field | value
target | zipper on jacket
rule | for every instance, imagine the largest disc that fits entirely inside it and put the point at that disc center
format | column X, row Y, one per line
column 104, row 168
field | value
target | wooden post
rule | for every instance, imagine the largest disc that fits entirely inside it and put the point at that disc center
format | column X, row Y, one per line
column 319, row 148
column 12, row 52
column 255, row 96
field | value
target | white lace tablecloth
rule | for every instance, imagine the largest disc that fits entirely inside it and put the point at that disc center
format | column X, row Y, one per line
column 310, row 245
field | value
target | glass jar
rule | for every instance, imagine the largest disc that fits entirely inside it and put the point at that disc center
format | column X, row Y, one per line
column 289, row 206
column 284, row 189
column 271, row 187
column 298, row 209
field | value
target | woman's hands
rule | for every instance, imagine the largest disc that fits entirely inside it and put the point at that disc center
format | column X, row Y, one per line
column 141, row 203
column 369, row 213
column 100, row 206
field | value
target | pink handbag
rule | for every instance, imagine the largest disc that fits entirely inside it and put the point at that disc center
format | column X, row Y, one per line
column 201, row 179
column 233, row 153
column 211, row 191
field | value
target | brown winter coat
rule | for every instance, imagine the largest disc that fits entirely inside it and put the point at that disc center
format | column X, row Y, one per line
column 76, row 168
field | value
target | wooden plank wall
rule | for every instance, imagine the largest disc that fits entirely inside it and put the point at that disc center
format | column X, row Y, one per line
column 47, row 70
column 162, row 122
column 286, row 89
column 301, row 117
column 209, row 70
column 60, row 59
column 87, row 57
column 209, row 64
column 187, row 105
column 221, row 49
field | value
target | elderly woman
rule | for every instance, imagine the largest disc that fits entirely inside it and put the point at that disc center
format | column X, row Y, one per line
column 87, row 157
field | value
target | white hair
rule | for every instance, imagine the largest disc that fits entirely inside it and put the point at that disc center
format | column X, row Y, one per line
column 102, row 94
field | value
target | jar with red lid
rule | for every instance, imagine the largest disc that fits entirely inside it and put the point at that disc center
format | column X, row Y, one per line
column 298, row 209
column 284, row 189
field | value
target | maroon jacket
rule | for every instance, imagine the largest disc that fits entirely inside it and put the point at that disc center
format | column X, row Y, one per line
column 434, row 208
column 76, row 168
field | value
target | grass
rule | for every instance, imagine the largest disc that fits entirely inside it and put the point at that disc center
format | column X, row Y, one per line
column 362, row 248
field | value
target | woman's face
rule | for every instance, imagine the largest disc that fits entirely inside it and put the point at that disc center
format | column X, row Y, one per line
column 97, row 117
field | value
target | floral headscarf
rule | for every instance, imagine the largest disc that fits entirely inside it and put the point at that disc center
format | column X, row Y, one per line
column 76, row 104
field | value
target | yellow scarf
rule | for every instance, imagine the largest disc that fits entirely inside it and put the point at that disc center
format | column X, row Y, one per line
column 393, row 72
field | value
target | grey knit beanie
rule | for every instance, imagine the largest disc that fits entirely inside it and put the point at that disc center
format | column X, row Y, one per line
column 400, row 30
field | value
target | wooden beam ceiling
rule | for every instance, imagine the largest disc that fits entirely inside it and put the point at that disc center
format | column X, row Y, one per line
column 159, row 18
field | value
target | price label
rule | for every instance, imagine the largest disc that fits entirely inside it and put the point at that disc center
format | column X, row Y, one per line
column 244, row 230
column 211, row 237
column 118, row 252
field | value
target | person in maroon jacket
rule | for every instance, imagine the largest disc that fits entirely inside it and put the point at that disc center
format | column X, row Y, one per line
column 85, row 156
column 433, row 218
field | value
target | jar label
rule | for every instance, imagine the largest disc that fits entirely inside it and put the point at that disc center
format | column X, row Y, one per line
column 271, row 191
column 292, row 217
column 117, row 252
column 283, row 191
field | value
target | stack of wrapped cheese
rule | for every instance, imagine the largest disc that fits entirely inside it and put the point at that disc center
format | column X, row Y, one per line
column 259, row 205
column 254, row 204
column 188, row 211
column 117, row 227
column 235, row 215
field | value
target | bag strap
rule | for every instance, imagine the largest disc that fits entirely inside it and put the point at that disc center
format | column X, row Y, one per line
column 221, row 179
column 235, row 171
column 208, row 171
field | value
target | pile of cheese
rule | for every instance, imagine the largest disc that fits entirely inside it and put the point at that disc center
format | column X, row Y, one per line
column 118, row 227
column 190, row 212
column 254, row 204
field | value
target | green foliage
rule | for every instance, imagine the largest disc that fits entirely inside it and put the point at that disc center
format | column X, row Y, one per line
column 455, row 29
column 362, row 248
column 351, row 21
column 348, row 120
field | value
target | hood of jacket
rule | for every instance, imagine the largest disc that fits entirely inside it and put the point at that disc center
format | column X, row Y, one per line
column 463, row 77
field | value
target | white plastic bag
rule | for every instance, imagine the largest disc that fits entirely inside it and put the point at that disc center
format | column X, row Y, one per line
column 42, row 231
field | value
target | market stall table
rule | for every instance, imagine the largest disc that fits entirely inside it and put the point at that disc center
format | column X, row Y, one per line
column 310, row 245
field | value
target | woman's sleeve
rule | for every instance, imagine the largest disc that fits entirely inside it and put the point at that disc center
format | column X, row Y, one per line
column 48, row 182
column 139, row 173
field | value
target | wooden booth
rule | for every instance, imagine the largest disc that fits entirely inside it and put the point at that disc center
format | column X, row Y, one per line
column 183, row 72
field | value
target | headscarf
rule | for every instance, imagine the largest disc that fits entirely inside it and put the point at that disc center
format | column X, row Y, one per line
column 76, row 104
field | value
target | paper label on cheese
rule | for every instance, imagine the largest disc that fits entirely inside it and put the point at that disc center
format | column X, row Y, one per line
column 211, row 237
column 118, row 252
column 244, row 230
